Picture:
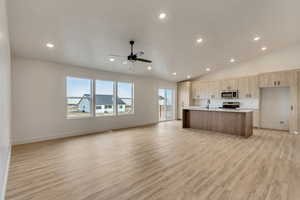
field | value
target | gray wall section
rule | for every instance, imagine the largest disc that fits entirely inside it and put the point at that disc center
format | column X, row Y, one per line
column 5, row 79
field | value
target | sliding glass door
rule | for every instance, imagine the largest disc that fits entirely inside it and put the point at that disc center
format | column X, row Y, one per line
column 166, row 104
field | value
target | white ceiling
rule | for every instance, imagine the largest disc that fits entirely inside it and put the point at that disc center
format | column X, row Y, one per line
column 85, row 32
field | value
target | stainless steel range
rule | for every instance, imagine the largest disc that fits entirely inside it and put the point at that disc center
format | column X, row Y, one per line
column 231, row 105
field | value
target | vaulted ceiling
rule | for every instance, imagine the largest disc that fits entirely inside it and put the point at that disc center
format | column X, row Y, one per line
column 86, row 32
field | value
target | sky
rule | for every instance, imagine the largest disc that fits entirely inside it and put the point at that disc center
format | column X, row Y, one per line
column 77, row 87
column 167, row 94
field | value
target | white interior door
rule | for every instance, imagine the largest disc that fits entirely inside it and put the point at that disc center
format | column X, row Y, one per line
column 275, row 107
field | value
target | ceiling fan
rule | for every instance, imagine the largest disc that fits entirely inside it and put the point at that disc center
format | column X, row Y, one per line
column 133, row 57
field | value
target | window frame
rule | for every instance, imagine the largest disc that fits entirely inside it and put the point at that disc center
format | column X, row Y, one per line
column 114, row 99
column 91, row 113
column 132, row 97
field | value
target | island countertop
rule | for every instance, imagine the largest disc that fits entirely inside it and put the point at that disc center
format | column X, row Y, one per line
column 229, row 121
column 239, row 110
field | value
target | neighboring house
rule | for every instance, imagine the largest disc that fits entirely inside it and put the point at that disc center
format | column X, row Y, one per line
column 73, row 104
column 73, row 101
column 104, row 104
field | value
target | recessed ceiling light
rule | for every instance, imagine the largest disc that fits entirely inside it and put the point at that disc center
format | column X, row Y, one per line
column 207, row 69
column 50, row 45
column 162, row 15
column 264, row 48
column 189, row 76
column 199, row 40
column 111, row 59
column 174, row 73
column 257, row 38
column 232, row 60
column 149, row 68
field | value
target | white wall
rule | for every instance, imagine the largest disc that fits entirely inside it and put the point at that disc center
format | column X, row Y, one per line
column 5, row 78
column 275, row 99
column 284, row 59
column 38, row 98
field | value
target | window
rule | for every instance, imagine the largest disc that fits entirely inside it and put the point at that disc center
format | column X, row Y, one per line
column 166, row 104
column 79, row 101
column 86, row 97
column 104, row 98
column 125, row 98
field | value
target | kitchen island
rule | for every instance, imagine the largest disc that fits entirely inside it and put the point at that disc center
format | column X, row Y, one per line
column 229, row 121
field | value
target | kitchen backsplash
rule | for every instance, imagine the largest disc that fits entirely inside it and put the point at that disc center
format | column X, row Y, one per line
column 245, row 103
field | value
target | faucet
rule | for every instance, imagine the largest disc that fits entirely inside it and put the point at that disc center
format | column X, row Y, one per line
column 208, row 103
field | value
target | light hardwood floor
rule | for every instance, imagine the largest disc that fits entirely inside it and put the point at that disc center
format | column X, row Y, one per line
column 158, row 162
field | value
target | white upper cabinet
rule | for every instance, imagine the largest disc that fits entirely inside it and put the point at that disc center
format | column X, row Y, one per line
column 243, row 87
column 253, row 88
column 248, row 87
column 200, row 90
column 196, row 86
column 275, row 79
column 214, row 90
column 184, row 93
column 229, row 84
column 183, row 96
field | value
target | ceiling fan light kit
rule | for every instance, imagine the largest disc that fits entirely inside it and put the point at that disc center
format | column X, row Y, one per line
column 134, row 57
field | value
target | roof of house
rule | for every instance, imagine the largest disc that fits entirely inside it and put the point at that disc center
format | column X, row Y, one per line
column 73, row 101
column 103, row 99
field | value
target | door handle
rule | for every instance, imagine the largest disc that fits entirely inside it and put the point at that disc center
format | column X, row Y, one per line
column 292, row 108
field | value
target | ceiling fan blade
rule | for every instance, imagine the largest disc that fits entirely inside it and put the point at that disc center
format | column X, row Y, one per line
column 143, row 60
column 113, row 55
column 140, row 53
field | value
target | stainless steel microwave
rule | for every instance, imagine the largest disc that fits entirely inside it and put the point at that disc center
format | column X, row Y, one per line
column 232, row 94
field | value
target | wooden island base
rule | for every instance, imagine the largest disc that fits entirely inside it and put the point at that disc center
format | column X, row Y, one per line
column 236, row 122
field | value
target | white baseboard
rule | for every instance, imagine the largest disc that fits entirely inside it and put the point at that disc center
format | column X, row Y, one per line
column 3, row 189
column 69, row 134
column 53, row 137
